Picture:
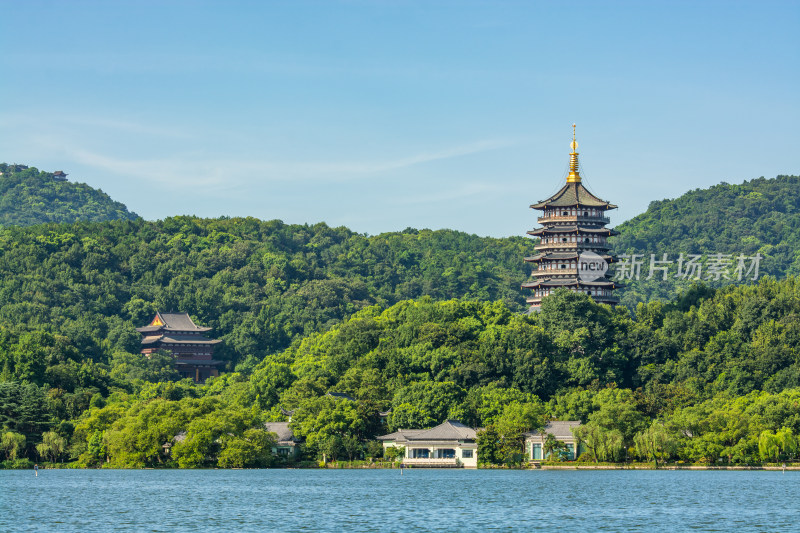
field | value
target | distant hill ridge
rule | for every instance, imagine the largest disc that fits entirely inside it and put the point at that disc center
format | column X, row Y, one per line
column 760, row 216
column 29, row 196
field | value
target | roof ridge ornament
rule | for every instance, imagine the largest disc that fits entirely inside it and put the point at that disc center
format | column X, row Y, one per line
column 574, row 175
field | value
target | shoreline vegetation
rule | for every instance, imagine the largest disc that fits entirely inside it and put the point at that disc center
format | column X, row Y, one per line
column 386, row 465
column 411, row 328
column 717, row 383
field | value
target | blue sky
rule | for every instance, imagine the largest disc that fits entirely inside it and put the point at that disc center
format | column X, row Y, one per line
column 382, row 115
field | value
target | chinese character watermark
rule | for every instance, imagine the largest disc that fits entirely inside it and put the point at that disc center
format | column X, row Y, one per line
column 698, row 267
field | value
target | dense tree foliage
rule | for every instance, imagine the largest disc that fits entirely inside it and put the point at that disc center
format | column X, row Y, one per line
column 760, row 216
column 719, row 381
column 427, row 324
column 84, row 287
column 29, row 196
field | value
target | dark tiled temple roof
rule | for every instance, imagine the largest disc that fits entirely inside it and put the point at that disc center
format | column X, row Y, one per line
column 181, row 322
column 573, row 194
column 173, row 322
column 149, row 329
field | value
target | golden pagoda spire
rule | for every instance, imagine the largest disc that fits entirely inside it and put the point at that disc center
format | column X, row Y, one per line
column 574, row 176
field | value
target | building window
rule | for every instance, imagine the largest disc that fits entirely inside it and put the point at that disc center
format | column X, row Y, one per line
column 420, row 453
column 466, row 454
column 445, row 453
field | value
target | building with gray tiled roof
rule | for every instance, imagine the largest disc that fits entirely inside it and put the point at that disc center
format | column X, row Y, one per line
column 562, row 431
column 448, row 445
column 286, row 445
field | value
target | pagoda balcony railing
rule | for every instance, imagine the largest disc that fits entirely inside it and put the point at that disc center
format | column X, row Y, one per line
column 574, row 218
column 555, row 271
column 613, row 300
column 571, row 245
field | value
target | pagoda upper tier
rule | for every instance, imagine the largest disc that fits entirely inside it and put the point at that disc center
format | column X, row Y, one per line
column 573, row 237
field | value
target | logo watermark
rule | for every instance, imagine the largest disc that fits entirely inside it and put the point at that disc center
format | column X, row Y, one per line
column 591, row 266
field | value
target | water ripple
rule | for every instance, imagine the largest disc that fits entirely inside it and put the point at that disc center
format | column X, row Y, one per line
column 383, row 500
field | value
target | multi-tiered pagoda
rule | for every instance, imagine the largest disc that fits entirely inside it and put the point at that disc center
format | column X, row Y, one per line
column 178, row 334
column 573, row 242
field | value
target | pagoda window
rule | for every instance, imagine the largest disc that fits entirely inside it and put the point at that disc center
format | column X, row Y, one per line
column 563, row 266
column 564, row 213
column 587, row 239
column 586, row 213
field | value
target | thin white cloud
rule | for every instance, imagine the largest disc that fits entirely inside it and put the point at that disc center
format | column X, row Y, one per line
column 211, row 174
column 466, row 190
column 373, row 167
column 65, row 122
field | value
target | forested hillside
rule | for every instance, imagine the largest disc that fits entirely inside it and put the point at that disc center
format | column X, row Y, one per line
column 259, row 285
column 760, row 216
column 29, row 196
column 427, row 323
column 710, row 379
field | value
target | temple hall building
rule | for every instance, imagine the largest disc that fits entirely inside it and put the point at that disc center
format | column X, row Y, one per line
column 573, row 251
column 177, row 334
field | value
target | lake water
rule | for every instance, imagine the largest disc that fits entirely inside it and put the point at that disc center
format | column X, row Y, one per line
column 383, row 500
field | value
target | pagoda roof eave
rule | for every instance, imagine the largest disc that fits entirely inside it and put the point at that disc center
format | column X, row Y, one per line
column 554, row 256
column 570, row 282
column 572, row 195
column 197, row 362
column 573, row 229
column 172, row 340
